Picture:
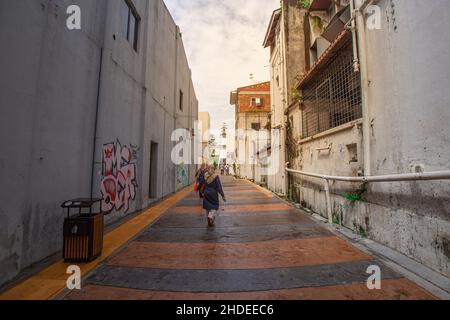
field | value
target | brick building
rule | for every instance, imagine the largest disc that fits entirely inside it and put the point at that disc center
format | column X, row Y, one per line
column 253, row 106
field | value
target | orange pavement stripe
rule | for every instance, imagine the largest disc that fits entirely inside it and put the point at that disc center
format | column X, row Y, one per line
column 261, row 189
column 399, row 289
column 218, row 256
column 51, row 281
column 239, row 196
column 236, row 208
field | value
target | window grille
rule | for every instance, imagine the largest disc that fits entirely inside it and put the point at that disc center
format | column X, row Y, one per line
column 333, row 97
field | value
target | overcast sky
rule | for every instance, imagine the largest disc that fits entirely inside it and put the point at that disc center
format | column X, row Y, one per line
column 223, row 41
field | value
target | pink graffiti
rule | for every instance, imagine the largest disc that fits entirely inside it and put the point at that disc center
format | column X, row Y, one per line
column 118, row 186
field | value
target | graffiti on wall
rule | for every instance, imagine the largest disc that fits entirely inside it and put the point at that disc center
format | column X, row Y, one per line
column 119, row 184
column 182, row 176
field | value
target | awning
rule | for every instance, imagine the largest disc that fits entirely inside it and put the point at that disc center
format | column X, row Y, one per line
column 318, row 5
column 325, row 57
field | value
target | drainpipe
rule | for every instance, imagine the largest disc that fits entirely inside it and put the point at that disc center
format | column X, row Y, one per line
column 97, row 107
column 144, row 49
column 354, row 37
column 285, row 98
column 101, row 44
column 176, row 98
column 358, row 15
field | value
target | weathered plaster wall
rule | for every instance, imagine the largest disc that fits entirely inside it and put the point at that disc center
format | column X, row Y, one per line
column 409, row 73
column 408, row 100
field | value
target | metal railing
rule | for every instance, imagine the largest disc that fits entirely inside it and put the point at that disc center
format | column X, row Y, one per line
column 426, row 176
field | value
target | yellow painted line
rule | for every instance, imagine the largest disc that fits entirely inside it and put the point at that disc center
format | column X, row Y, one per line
column 51, row 281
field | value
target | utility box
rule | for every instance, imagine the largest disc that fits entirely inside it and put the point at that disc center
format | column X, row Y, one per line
column 83, row 232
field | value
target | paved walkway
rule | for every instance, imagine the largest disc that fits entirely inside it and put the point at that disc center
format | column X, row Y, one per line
column 260, row 248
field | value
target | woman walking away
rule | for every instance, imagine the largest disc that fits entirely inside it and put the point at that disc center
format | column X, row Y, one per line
column 213, row 187
column 200, row 176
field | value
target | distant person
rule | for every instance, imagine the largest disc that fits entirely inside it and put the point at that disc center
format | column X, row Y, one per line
column 213, row 187
column 222, row 169
column 227, row 169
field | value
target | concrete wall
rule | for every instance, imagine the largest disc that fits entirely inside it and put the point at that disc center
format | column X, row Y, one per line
column 408, row 102
column 409, row 70
column 294, row 20
column 48, row 85
column 49, row 92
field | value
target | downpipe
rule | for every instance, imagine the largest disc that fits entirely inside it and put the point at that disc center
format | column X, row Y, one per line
column 359, row 35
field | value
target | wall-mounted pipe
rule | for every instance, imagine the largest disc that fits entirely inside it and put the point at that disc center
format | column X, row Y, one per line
column 427, row 176
column 354, row 37
column 97, row 110
column 358, row 28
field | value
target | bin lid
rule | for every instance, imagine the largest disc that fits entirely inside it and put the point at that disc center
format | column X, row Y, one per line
column 80, row 203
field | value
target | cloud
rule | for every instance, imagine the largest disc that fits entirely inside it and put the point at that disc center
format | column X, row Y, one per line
column 223, row 41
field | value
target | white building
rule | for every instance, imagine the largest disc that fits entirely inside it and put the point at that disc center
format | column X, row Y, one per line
column 285, row 39
column 204, row 119
column 375, row 103
column 252, row 123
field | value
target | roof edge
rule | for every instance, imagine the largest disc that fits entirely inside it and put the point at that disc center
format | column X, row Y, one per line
column 270, row 27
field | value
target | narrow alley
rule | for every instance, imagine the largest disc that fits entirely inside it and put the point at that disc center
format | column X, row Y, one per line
column 260, row 249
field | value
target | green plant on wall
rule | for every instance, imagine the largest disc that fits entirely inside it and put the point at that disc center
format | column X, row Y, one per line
column 305, row 4
column 361, row 232
column 356, row 196
column 291, row 142
column 295, row 95
column 317, row 24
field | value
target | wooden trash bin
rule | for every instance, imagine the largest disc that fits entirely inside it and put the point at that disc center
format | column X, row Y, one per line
column 83, row 233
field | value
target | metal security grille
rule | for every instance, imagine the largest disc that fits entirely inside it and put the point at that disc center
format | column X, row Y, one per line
column 333, row 97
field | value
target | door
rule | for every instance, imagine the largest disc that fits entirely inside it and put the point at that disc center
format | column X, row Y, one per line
column 153, row 179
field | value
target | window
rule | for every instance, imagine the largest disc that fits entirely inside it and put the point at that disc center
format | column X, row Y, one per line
column 333, row 98
column 256, row 126
column 130, row 23
column 181, row 100
column 257, row 102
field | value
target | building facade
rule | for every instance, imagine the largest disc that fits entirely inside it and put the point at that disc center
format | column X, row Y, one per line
column 204, row 119
column 373, row 103
column 285, row 38
column 253, row 106
column 86, row 113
